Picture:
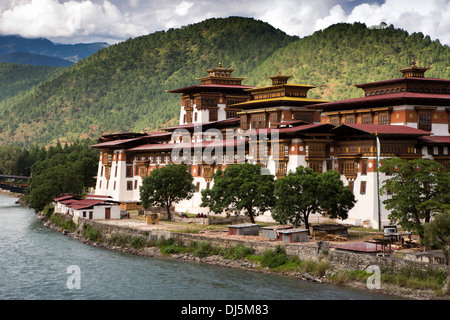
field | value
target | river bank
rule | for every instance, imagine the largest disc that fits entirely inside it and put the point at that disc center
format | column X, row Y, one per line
column 133, row 241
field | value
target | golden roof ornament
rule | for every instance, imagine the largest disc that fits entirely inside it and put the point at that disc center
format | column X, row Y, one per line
column 413, row 70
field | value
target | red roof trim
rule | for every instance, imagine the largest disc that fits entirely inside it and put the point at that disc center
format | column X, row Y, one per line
column 436, row 139
column 203, row 144
column 385, row 129
column 212, row 85
column 384, row 98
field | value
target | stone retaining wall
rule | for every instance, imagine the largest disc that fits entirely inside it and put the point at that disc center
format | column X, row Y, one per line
column 305, row 251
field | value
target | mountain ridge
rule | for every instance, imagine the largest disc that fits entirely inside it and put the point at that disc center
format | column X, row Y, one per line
column 124, row 87
column 10, row 44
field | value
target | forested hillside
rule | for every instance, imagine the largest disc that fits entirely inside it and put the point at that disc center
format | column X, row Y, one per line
column 343, row 55
column 123, row 87
column 17, row 79
column 34, row 59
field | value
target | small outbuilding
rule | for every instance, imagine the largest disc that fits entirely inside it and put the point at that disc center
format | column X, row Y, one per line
column 294, row 235
column 273, row 232
column 331, row 229
column 245, row 229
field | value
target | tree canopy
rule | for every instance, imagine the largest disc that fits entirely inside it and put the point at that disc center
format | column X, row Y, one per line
column 240, row 188
column 165, row 185
column 59, row 170
column 437, row 233
column 416, row 189
column 305, row 192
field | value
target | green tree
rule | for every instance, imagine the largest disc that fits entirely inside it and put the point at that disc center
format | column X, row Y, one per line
column 305, row 192
column 437, row 233
column 165, row 185
column 57, row 171
column 419, row 188
column 240, row 187
column 51, row 182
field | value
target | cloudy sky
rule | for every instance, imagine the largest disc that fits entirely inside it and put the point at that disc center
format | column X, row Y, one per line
column 112, row 21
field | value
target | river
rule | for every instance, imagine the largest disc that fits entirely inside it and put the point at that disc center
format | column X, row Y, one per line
column 37, row 263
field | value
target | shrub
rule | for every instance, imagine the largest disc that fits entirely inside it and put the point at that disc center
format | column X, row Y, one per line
column 237, row 252
column 91, row 232
column 206, row 249
column 274, row 259
column 48, row 211
column 63, row 222
column 138, row 242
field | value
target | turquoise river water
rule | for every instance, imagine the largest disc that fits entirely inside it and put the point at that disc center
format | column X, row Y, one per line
column 37, row 263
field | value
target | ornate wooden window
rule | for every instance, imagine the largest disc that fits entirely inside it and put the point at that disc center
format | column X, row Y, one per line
column 316, row 166
column 213, row 114
column 206, row 102
column 106, row 158
column 334, row 120
column 348, row 168
column 424, row 120
column 364, row 167
column 188, row 116
column 207, row 173
column 280, row 150
column 280, row 168
column 244, row 122
column 367, row 118
column 305, row 116
column 274, row 118
column 230, row 114
column 350, row 118
column 315, row 150
column 258, row 121
column 107, row 171
column 384, row 118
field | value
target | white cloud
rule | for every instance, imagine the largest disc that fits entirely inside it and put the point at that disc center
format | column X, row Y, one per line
column 116, row 20
column 183, row 8
column 430, row 17
column 52, row 19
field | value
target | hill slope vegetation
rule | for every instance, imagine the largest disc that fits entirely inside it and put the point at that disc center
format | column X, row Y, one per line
column 123, row 87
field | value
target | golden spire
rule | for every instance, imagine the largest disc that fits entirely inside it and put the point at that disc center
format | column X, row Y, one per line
column 413, row 70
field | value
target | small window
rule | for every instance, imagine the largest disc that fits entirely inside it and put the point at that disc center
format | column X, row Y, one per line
column 364, row 167
column 129, row 185
column 363, row 187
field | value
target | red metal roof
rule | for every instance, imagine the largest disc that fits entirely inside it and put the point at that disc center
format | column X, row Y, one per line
column 199, row 145
column 403, row 79
column 366, row 247
column 436, row 139
column 66, row 197
column 193, row 125
column 211, row 85
column 385, row 129
column 385, row 100
column 114, row 143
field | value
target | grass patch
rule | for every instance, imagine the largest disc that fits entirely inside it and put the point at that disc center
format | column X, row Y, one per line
column 91, row 232
column 416, row 278
column 63, row 222
column 407, row 277
column 237, row 252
